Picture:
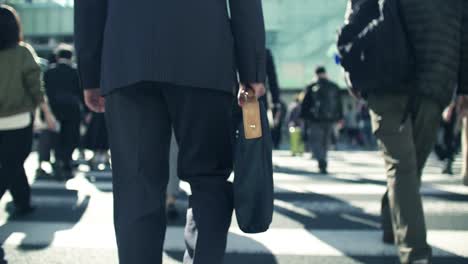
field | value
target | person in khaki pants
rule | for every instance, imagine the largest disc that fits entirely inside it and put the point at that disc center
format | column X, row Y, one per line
column 406, row 148
column 406, row 124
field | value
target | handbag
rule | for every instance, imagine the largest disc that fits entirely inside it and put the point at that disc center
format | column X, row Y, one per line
column 253, row 169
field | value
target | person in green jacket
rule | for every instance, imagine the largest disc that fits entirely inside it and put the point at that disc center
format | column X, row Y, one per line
column 20, row 95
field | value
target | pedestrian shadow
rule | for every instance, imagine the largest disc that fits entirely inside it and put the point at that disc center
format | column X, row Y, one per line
column 252, row 252
column 58, row 210
column 321, row 215
column 428, row 189
column 298, row 172
column 102, row 180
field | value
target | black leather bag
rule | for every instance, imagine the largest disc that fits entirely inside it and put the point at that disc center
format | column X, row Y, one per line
column 253, row 178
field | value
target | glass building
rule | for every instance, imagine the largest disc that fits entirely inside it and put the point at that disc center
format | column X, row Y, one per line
column 300, row 33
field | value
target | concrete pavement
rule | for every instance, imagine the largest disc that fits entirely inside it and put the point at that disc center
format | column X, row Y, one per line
column 318, row 218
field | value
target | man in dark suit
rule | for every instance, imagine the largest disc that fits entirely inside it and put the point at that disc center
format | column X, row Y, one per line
column 63, row 90
column 162, row 64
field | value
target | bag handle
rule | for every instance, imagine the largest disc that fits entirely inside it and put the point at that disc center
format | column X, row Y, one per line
column 251, row 116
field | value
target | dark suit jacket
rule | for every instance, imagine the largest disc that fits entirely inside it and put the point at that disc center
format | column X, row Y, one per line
column 190, row 43
column 63, row 90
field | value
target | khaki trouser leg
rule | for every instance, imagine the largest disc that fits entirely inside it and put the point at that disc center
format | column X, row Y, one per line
column 405, row 152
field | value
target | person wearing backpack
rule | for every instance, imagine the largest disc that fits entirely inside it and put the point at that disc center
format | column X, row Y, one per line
column 321, row 108
column 405, row 57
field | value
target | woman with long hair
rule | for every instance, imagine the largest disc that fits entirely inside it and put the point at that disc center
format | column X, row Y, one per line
column 20, row 95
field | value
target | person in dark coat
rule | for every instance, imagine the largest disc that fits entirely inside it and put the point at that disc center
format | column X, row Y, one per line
column 174, row 66
column 438, row 34
column 63, row 90
column 47, row 138
column 321, row 109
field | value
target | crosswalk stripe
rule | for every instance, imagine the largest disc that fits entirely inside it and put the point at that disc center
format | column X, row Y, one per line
column 325, row 188
column 276, row 241
column 305, row 206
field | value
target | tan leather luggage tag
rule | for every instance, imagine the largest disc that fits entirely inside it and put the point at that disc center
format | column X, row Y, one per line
column 251, row 117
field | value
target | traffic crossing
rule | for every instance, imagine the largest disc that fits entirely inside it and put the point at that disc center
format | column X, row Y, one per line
column 318, row 218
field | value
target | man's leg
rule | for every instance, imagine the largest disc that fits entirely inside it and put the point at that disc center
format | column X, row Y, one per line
column 16, row 146
column 386, row 220
column 45, row 145
column 316, row 136
column 402, row 176
column 325, row 142
column 139, row 133
column 426, row 123
column 69, row 141
column 60, row 167
column 202, row 121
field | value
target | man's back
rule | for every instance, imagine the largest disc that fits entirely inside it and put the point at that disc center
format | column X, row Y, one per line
column 322, row 101
column 434, row 29
column 62, row 84
column 169, row 65
column 190, row 43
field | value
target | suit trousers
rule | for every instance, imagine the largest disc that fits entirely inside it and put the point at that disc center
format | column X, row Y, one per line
column 140, row 118
column 406, row 149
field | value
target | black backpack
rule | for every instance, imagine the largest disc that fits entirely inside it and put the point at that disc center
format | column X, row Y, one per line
column 322, row 102
column 374, row 47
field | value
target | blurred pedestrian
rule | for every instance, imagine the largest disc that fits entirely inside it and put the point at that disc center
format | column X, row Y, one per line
column 272, row 100
column 406, row 119
column 158, row 73
column 20, row 95
column 46, row 143
column 279, row 116
column 47, row 138
column 351, row 127
column 447, row 144
column 321, row 109
column 96, row 140
column 63, row 90
column 296, row 126
column 365, row 126
column 272, row 96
